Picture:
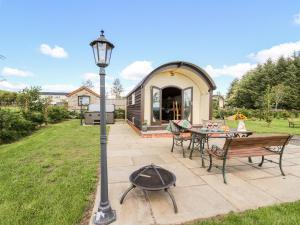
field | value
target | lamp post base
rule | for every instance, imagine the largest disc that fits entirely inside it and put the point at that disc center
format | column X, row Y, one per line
column 104, row 217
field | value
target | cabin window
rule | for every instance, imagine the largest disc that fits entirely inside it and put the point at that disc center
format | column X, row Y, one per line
column 187, row 104
column 133, row 98
column 83, row 100
column 156, row 105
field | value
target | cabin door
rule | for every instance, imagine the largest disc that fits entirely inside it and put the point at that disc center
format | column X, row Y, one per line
column 155, row 106
column 187, row 104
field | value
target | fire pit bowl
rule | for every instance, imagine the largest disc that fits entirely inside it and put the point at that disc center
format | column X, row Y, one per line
column 152, row 178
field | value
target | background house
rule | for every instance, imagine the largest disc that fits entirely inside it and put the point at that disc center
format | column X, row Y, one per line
column 86, row 94
column 57, row 98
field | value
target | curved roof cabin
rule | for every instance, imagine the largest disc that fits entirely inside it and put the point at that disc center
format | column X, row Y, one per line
column 175, row 90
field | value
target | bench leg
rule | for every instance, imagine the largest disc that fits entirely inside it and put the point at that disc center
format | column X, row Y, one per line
column 280, row 165
column 173, row 145
column 262, row 161
column 223, row 171
column 210, row 163
column 249, row 159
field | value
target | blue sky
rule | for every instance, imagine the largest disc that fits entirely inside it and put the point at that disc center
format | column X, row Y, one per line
column 46, row 43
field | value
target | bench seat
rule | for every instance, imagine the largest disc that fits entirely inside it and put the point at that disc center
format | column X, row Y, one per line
column 248, row 147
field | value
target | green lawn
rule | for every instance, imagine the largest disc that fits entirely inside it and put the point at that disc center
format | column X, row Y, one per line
column 284, row 214
column 277, row 126
column 47, row 178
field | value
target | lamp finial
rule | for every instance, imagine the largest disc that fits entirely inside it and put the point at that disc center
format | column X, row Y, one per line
column 102, row 32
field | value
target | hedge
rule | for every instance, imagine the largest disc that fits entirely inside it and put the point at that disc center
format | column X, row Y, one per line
column 57, row 114
column 13, row 126
column 254, row 113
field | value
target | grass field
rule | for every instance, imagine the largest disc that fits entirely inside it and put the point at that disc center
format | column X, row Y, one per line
column 280, row 126
column 47, row 178
column 284, row 214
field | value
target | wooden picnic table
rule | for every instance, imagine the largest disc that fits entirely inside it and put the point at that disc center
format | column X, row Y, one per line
column 199, row 136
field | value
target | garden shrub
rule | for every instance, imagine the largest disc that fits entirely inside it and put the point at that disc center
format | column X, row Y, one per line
column 74, row 115
column 37, row 118
column 13, row 126
column 119, row 114
column 57, row 114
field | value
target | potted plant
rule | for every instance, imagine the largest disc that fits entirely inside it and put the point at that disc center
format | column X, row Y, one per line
column 240, row 117
column 144, row 126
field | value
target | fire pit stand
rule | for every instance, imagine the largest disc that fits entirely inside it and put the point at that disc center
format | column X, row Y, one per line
column 152, row 178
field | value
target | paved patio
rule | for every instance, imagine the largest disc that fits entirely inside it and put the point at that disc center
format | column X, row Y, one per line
column 199, row 194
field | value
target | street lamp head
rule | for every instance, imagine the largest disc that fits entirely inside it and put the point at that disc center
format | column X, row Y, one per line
column 102, row 49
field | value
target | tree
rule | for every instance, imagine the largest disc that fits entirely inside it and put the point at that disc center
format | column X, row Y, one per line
column 88, row 83
column 278, row 92
column 117, row 88
column 267, row 106
column 29, row 99
column 282, row 74
column 46, row 105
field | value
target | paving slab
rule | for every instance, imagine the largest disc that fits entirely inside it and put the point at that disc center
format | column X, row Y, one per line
column 116, row 161
column 239, row 192
column 248, row 172
column 199, row 194
column 193, row 202
column 184, row 176
column 284, row 188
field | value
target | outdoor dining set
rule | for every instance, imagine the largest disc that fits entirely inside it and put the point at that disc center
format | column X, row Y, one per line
column 238, row 143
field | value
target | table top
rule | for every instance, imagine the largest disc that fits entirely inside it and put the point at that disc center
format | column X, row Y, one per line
column 231, row 131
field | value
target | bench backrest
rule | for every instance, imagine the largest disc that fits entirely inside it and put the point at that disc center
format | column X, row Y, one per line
column 237, row 144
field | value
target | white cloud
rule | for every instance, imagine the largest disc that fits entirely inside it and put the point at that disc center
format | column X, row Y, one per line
column 91, row 76
column 94, row 77
column 7, row 71
column 55, row 52
column 237, row 70
column 285, row 50
column 137, row 70
column 297, row 19
column 58, row 87
column 6, row 85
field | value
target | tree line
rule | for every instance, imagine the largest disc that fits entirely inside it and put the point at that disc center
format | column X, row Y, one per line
column 274, row 83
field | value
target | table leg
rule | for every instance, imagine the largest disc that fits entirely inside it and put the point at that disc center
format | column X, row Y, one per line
column 202, row 142
column 193, row 144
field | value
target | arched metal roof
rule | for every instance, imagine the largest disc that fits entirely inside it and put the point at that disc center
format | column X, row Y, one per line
column 179, row 64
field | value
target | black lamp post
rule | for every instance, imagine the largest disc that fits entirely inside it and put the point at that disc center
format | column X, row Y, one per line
column 102, row 49
column 81, row 113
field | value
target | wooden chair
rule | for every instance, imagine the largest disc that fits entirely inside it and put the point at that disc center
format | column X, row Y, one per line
column 179, row 136
column 247, row 147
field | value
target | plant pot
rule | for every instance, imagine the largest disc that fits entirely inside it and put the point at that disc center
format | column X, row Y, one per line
column 144, row 128
column 241, row 126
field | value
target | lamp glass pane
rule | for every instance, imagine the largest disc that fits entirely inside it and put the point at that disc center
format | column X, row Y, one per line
column 108, row 54
column 102, row 53
column 95, row 52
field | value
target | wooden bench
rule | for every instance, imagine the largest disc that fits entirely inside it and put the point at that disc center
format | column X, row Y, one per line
column 293, row 122
column 247, row 147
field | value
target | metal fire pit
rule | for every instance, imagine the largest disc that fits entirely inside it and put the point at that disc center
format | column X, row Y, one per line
column 152, row 178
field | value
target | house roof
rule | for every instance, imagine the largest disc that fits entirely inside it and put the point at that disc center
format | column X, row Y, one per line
column 83, row 88
column 53, row 93
column 178, row 64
